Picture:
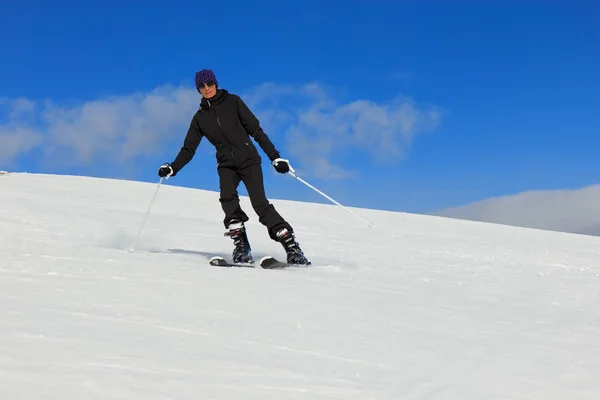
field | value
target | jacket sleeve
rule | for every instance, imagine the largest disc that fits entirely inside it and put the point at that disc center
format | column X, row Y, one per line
column 190, row 144
column 252, row 126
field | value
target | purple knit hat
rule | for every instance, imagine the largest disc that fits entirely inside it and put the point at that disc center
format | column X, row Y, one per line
column 204, row 76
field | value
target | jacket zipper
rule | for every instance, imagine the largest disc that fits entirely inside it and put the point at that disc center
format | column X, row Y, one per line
column 223, row 131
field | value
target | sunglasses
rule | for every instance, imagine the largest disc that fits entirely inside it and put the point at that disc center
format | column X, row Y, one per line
column 206, row 84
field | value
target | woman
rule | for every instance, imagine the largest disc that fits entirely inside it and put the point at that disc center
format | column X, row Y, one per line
column 227, row 123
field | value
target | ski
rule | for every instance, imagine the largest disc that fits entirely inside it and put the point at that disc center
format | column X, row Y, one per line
column 267, row 262
column 273, row 263
column 218, row 261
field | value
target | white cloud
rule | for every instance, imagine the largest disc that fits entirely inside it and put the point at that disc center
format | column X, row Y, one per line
column 122, row 127
column 115, row 129
column 319, row 127
column 574, row 211
column 17, row 140
column 315, row 126
column 21, row 107
column 16, row 135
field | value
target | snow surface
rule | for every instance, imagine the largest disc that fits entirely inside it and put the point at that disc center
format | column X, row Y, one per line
column 417, row 307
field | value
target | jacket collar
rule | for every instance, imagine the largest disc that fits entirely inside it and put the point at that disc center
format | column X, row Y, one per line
column 216, row 99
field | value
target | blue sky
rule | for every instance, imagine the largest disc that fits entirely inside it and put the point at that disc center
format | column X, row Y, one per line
column 399, row 105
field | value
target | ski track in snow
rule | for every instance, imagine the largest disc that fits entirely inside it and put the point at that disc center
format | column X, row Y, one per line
column 417, row 307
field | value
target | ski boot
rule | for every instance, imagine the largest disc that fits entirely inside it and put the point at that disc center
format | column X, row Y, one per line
column 292, row 248
column 242, row 253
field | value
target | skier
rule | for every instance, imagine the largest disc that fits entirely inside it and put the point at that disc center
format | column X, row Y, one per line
column 227, row 123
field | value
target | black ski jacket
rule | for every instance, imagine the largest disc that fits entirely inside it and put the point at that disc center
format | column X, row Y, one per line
column 227, row 123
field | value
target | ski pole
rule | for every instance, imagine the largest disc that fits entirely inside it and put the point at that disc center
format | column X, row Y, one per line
column 146, row 217
column 292, row 172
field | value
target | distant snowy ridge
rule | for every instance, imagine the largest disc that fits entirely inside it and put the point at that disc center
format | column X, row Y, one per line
column 572, row 211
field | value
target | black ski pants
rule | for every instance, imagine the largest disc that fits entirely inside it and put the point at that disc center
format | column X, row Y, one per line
column 252, row 177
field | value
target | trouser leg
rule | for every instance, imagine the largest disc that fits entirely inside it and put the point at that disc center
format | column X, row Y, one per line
column 229, row 180
column 252, row 176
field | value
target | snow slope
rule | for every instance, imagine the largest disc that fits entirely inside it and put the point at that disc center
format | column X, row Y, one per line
column 418, row 307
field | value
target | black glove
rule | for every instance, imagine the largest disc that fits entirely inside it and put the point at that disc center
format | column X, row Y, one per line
column 282, row 166
column 165, row 171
